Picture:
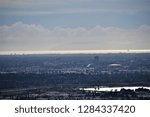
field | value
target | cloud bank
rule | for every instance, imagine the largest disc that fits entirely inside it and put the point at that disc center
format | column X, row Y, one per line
column 31, row 37
column 48, row 7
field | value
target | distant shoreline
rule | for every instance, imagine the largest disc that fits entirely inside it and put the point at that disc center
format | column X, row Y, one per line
column 73, row 52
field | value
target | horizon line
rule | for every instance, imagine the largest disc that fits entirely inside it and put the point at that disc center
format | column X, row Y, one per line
column 74, row 52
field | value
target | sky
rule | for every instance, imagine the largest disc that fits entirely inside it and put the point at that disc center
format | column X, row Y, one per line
column 47, row 25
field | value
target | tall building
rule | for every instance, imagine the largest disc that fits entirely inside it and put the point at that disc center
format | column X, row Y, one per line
column 96, row 59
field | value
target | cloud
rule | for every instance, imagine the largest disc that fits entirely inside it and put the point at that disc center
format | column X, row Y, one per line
column 48, row 7
column 66, row 11
column 20, row 36
column 21, row 3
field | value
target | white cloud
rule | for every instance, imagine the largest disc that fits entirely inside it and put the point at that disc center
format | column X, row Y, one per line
column 20, row 36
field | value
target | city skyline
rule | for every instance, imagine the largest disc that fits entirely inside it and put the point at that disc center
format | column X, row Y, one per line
column 73, row 52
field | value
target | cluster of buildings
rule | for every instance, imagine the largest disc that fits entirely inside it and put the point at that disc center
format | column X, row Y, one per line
column 93, row 66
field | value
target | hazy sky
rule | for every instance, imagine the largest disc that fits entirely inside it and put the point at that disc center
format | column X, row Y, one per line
column 74, row 24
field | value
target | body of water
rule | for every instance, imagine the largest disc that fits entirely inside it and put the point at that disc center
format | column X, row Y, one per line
column 105, row 89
